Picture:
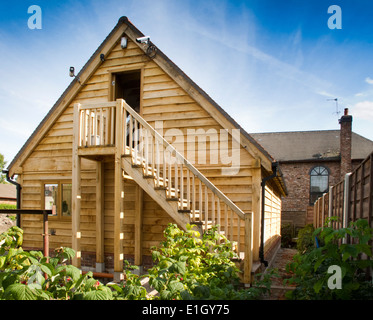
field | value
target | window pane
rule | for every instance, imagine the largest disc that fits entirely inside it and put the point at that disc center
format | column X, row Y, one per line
column 319, row 183
column 66, row 199
column 50, row 197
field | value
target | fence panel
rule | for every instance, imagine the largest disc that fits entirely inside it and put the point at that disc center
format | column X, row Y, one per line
column 350, row 199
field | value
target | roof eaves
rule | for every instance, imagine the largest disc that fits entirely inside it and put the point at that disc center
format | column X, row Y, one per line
column 61, row 98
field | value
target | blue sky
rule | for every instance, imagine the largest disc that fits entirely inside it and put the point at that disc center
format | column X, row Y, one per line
column 272, row 65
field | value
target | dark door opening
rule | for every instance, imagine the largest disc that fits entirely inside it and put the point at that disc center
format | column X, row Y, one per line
column 127, row 87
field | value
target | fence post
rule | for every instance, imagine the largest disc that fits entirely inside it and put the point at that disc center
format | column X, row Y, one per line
column 323, row 210
column 330, row 213
column 346, row 207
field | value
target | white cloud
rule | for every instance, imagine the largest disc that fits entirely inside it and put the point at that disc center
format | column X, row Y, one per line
column 369, row 80
column 363, row 110
column 326, row 94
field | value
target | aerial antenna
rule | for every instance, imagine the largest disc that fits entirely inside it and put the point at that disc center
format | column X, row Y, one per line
column 337, row 112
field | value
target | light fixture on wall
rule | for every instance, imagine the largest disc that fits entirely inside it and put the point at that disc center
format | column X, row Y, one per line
column 102, row 57
column 123, row 42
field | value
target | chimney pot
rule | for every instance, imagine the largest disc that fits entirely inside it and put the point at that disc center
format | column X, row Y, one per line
column 346, row 112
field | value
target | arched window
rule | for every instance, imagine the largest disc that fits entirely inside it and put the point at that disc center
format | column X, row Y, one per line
column 319, row 182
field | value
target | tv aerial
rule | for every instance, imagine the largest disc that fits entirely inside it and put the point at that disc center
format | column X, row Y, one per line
column 337, row 112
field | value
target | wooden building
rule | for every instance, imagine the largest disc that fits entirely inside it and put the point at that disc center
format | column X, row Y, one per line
column 134, row 144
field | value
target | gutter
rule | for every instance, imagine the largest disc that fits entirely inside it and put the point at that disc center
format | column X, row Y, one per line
column 263, row 184
column 6, row 172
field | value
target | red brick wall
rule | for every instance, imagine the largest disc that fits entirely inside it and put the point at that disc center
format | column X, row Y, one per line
column 297, row 179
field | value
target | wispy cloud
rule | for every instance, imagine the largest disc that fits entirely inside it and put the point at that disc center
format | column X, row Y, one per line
column 363, row 110
column 369, row 80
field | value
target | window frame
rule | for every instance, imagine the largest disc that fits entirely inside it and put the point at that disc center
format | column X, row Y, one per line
column 59, row 184
column 318, row 194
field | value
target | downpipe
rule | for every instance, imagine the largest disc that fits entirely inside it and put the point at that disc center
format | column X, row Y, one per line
column 18, row 186
column 263, row 185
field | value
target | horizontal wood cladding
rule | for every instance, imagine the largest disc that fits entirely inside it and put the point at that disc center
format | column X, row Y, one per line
column 162, row 100
column 272, row 217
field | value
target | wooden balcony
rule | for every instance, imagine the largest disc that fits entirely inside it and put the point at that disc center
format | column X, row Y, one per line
column 114, row 128
column 95, row 126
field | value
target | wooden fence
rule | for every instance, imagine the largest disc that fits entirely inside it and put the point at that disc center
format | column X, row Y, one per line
column 349, row 200
column 45, row 214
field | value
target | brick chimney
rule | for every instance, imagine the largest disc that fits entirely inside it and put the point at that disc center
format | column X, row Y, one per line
column 345, row 143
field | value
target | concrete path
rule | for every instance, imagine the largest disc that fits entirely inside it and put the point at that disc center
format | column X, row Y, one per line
column 278, row 289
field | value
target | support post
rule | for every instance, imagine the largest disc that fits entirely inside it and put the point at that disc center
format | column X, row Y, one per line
column 118, row 194
column 256, row 201
column 248, row 248
column 138, row 225
column 76, row 189
column 100, row 255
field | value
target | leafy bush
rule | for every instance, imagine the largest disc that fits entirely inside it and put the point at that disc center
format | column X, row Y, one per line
column 306, row 239
column 188, row 267
column 310, row 269
column 31, row 276
column 286, row 235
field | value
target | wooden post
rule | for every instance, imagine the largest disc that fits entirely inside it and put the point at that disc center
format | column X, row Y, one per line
column 76, row 190
column 346, row 204
column 248, row 250
column 100, row 257
column 118, row 194
column 322, row 210
column 330, row 213
column 138, row 225
column 255, row 205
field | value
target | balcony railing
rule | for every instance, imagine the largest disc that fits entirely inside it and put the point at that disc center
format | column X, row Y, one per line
column 170, row 171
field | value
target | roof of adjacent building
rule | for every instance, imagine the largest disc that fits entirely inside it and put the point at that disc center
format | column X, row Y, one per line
column 311, row 145
column 8, row 191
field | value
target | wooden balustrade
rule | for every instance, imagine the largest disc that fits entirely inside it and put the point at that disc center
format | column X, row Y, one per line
column 97, row 124
column 170, row 171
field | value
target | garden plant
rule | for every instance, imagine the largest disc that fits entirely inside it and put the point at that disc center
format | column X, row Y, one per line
column 329, row 248
column 187, row 266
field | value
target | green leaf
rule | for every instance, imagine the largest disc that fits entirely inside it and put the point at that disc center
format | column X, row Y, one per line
column 318, row 285
column 175, row 286
column 319, row 262
column 2, row 261
column 47, row 268
column 19, row 291
column 165, row 295
column 98, row 295
column 178, row 267
column 71, row 271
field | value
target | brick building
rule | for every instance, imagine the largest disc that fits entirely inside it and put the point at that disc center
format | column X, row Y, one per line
column 311, row 161
column 8, row 194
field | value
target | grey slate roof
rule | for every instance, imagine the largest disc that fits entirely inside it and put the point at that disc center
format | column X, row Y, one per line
column 310, row 145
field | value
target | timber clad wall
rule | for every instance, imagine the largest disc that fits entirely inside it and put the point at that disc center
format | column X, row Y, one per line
column 272, row 218
column 161, row 99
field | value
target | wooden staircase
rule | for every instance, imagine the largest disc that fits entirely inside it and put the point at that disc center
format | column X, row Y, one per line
column 164, row 174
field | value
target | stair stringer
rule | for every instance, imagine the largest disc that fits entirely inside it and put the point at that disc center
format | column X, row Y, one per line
column 159, row 196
